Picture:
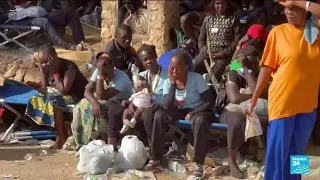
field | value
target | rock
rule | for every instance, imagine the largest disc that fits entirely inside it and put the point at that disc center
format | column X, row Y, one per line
column 9, row 66
column 33, row 75
column 20, row 75
column 28, row 65
column 3, row 66
column 1, row 80
column 12, row 71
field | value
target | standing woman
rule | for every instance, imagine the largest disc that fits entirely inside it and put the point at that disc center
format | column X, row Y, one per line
column 220, row 32
column 156, row 76
column 294, row 60
column 186, row 96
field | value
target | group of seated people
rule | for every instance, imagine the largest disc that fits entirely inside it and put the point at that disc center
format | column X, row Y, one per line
column 163, row 92
column 174, row 90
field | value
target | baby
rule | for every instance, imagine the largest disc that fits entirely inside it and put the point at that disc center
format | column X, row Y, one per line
column 138, row 102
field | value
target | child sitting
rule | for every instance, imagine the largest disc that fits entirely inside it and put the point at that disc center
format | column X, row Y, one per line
column 138, row 102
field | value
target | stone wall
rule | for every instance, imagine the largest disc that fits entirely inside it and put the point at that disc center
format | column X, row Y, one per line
column 19, row 69
column 163, row 16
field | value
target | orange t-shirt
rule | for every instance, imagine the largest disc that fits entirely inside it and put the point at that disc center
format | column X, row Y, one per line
column 296, row 75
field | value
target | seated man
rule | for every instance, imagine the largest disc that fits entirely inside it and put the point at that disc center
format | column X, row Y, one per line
column 122, row 53
column 53, row 21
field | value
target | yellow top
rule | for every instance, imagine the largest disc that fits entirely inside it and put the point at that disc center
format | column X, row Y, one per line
column 296, row 73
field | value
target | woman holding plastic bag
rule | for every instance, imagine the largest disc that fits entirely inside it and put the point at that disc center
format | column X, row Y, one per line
column 292, row 56
column 239, row 85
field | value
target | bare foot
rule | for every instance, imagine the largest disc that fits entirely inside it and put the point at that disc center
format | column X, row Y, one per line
column 58, row 143
column 235, row 171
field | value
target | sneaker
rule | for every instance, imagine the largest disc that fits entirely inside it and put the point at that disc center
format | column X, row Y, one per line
column 152, row 164
column 198, row 171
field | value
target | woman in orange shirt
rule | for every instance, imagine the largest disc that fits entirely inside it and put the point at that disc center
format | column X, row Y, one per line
column 292, row 55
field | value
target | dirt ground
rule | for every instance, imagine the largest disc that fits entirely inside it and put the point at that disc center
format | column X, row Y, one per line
column 62, row 166
column 56, row 165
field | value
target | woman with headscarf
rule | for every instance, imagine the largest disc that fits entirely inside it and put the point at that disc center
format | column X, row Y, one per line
column 256, row 34
column 186, row 96
column 220, row 33
column 292, row 56
column 101, row 109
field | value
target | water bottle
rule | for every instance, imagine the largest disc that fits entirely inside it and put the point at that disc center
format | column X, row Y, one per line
column 176, row 167
column 135, row 73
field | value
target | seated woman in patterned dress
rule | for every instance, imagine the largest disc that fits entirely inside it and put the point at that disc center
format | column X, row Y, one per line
column 62, row 84
column 101, row 109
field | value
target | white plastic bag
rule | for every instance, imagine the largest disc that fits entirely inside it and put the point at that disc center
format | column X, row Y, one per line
column 253, row 126
column 261, row 108
column 132, row 154
column 95, row 158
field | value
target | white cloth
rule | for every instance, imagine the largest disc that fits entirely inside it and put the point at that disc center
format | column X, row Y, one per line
column 141, row 99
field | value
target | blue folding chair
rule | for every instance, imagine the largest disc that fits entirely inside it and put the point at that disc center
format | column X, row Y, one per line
column 13, row 92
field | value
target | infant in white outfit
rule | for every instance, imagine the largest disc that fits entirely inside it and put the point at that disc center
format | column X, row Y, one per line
column 138, row 102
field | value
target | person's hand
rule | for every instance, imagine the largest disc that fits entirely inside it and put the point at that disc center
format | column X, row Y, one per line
column 96, row 109
column 101, row 66
column 170, row 75
column 243, row 60
column 125, row 103
column 217, row 56
column 287, row 3
column 188, row 117
column 53, row 64
column 252, row 104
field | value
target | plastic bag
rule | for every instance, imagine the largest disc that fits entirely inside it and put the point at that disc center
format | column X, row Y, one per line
column 95, row 158
column 132, row 154
column 253, row 126
column 261, row 108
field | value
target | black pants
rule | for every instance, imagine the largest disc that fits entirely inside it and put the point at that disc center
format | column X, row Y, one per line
column 55, row 20
column 115, row 111
column 200, row 130
column 68, row 17
column 148, row 117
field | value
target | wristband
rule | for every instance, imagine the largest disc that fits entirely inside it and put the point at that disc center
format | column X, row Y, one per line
column 56, row 76
column 101, row 77
column 308, row 6
column 247, row 71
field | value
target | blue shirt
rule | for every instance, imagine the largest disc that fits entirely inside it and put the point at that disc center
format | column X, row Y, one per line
column 121, row 82
column 164, row 59
column 159, row 88
column 189, row 97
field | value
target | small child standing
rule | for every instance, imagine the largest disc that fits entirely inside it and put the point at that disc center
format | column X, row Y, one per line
column 138, row 102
